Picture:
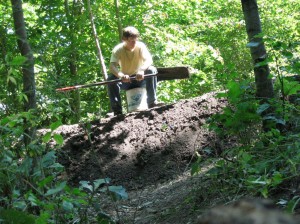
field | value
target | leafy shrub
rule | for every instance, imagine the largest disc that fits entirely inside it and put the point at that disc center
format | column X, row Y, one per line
column 266, row 154
column 32, row 186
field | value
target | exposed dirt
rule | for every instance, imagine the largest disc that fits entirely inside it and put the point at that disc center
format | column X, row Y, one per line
column 150, row 154
column 141, row 148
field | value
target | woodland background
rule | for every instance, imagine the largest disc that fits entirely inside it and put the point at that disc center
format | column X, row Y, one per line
column 207, row 36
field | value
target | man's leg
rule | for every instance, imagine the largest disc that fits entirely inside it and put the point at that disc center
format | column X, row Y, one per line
column 114, row 95
column 151, row 83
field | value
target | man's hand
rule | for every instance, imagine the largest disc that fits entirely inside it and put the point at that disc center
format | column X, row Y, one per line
column 125, row 78
column 140, row 75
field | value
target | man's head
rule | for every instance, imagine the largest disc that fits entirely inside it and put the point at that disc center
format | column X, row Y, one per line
column 130, row 31
column 130, row 37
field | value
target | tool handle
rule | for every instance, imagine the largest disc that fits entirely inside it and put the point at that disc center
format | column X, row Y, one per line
column 66, row 89
column 69, row 88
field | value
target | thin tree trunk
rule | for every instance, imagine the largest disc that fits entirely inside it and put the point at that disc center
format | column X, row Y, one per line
column 75, row 96
column 28, row 66
column 264, row 86
column 118, row 19
column 99, row 52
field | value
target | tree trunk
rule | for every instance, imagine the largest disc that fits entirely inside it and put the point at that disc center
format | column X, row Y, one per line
column 72, row 25
column 264, row 86
column 118, row 19
column 28, row 66
column 99, row 52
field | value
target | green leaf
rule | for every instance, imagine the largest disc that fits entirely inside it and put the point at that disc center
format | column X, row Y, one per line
column 23, row 96
column 20, row 205
column 26, row 166
column 77, row 192
column 55, row 125
column 58, row 138
column 291, row 87
column 99, row 182
column 33, row 199
column 275, row 119
column 119, row 191
column 45, row 181
column 287, row 54
column 292, row 204
column 195, row 168
column 43, row 218
column 48, row 159
column 258, row 181
column 12, row 80
column 246, row 157
column 86, row 185
column 259, row 64
column 253, row 44
column 263, row 108
column 67, row 206
column 277, row 179
column 265, row 192
column 56, row 190
column 47, row 137
column 57, row 166
column 4, row 121
column 17, row 61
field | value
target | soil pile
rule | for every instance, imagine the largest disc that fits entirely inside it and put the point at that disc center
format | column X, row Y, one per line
column 150, row 154
column 141, row 148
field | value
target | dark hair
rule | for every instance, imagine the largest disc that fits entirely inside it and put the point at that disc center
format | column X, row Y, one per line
column 130, row 31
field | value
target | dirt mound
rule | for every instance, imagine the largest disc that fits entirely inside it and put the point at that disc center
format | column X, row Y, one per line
column 141, row 148
column 149, row 153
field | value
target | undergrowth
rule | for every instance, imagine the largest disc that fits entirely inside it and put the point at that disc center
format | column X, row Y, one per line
column 33, row 188
column 266, row 157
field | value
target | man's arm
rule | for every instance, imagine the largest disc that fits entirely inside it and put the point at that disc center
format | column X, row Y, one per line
column 113, row 67
column 147, row 63
column 147, row 58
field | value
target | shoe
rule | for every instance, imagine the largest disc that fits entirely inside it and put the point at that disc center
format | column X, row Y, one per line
column 112, row 114
column 116, row 113
column 155, row 104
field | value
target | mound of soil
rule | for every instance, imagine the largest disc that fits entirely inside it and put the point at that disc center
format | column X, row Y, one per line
column 141, row 148
column 150, row 154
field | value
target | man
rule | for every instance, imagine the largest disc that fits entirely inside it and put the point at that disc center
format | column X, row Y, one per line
column 131, row 57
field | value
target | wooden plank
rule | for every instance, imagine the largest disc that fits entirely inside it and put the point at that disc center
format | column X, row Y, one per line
column 170, row 73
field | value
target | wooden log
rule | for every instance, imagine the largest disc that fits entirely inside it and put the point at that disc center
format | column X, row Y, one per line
column 171, row 73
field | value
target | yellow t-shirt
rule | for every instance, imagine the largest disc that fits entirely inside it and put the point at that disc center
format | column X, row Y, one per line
column 130, row 61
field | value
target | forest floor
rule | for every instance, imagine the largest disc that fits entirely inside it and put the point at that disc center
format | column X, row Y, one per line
column 150, row 154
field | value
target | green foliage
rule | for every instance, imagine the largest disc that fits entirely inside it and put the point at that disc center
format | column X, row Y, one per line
column 207, row 36
column 32, row 189
column 265, row 135
column 195, row 35
column 11, row 216
column 239, row 118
